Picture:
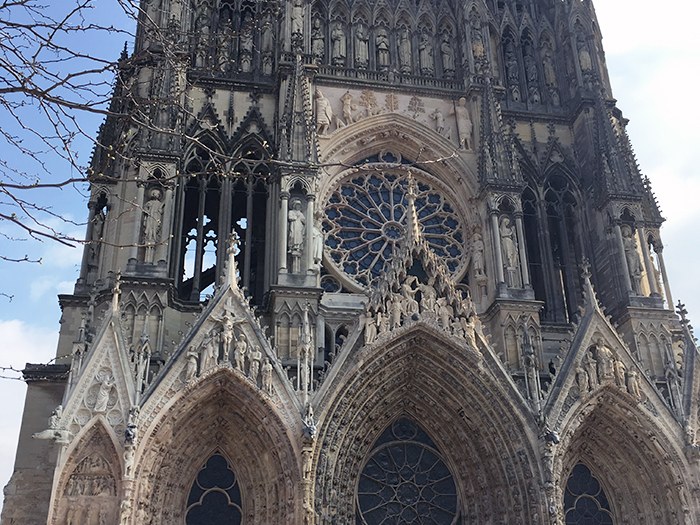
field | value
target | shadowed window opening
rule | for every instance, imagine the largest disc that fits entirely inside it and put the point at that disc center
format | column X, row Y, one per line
column 585, row 502
column 215, row 498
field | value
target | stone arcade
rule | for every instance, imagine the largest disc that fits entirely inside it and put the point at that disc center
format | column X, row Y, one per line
column 370, row 262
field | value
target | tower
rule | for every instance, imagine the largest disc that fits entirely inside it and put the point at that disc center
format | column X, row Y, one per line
column 357, row 261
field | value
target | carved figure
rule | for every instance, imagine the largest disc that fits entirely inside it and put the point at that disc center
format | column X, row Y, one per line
column 477, row 37
column 370, row 327
column 584, row 56
column 255, row 358
column 448, row 56
column 469, row 330
column 590, row 364
column 339, row 45
column 405, row 51
column 361, row 47
column 297, row 228
column 439, row 119
column 550, row 76
column 324, row 113
column 55, row 418
column 633, row 384
column 464, row 124
column 619, row 371
column 208, row 352
column 425, row 55
column 191, row 365
column 634, row 264
column 511, row 63
column 266, row 39
column 478, row 255
column 318, row 40
column 129, row 453
column 267, row 376
column 444, row 313
column 582, row 380
column 317, row 245
column 348, row 108
column 395, row 311
column 297, row 18
column 241, row 352
column 102, row 398
column 510, row 252
column 226, row 335
column 382, row 44
column 153, row 218
column 605, row 361
column 428, row 297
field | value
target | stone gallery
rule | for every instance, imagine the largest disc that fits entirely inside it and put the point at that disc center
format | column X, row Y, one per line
column 365, row 262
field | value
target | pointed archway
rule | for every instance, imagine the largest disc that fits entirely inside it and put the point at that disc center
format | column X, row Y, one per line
column 475, row 420
column 220, row 416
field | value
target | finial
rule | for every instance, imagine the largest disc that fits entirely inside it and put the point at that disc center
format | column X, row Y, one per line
column 116, row 293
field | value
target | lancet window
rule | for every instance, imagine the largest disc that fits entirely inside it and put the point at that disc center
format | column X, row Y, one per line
column 215, row 496
column 406, row 480
column 215, row 200
column 585, row 502
column 552, row 222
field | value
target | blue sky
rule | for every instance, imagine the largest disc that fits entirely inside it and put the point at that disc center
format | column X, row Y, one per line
column 654, row 64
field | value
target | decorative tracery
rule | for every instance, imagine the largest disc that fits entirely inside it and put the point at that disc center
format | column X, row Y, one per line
column 215, row 498
column 366, row 216
column 585, row 502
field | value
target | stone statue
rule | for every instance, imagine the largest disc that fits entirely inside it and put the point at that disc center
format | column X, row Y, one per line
column 448, row 56
column 339, row 46
column 267, row 376
column 584, row 56
column 428, row 297
column 246, row 45
column 405, row 51
column 266, row 39
column 382, row 45
column 297, row 18
column 153, row 219
column 633, row 384
column 464, row 124
column 619, row 371
column 370, row 327
column 324, row 113
column 478, row 255
column 395, row 311
column 634, row 264
column 318, row 40
column 317, row 245
column 102, row 398
column 510, row 252
column 208, row 352
column 439, row 119
column 425, row 55
column 477, row 37
column 226, row 335
column 590, row 364
column 582, row 380
column 361, row 47
column 444, row 313
column 129, row 453
column 297, row 228
column 255, row 358
column 550, row 76
column 605, row 361
column 55, row 418
column 241, row 351
column 191, row 365
column 348, row 108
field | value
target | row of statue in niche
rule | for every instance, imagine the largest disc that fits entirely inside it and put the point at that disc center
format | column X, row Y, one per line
column 410, row 53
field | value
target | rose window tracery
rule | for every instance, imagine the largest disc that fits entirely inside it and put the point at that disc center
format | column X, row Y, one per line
column 366, row 217
column 405, row 480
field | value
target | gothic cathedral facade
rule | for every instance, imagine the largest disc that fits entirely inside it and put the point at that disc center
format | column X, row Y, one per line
column 365, row 262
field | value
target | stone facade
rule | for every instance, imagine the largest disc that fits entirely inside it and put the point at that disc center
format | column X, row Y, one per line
column 365, row 262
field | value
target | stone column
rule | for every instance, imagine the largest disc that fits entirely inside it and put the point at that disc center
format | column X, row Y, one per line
column 284, row 210
column 309, row 237
column 165, row 227
column 649, row 267
column 138, row 218
column 525, row 270
column 624, row 269
column 496, row 238
column 662, row 269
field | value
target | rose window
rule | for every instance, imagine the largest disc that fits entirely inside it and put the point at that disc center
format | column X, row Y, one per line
column 366, row 216
column 406, row 481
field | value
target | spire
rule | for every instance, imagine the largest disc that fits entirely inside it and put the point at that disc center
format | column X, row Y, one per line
column 298, row 142
column 497, row 159
column 413, row 231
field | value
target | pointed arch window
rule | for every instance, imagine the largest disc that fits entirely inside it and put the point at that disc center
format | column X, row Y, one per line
column 215, row 497
column 406, row 480
column 585, row 501
column 214, row 200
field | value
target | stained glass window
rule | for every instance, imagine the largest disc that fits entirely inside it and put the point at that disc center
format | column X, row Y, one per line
column 406, row 480
column 367, row 215
column 585, row 502
column 215, row 498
